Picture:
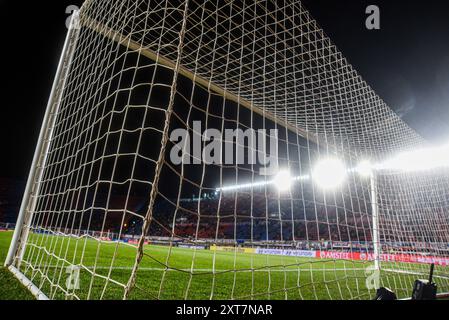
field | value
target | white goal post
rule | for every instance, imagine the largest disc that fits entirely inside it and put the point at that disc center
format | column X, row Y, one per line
column 109, row 212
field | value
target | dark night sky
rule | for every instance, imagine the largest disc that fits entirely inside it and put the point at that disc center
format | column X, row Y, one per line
column 406, row 63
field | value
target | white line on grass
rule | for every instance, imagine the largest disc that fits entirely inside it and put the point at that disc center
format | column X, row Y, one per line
column 265, row 269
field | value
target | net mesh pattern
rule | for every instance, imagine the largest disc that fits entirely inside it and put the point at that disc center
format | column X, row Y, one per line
column 111, row 216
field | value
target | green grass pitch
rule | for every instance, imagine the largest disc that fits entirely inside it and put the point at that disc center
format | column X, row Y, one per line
column 10, row 288
column 175, row 273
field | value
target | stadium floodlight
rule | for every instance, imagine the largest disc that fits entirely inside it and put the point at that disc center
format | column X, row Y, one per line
column 365, row 168
column 242, row 186
column 283, row 181
column 418, row 160
column 329, row 173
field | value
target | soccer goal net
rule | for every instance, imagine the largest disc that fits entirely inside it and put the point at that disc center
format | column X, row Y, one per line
column 206, row 149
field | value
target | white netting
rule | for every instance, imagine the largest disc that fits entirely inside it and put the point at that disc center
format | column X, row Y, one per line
column 108, row 201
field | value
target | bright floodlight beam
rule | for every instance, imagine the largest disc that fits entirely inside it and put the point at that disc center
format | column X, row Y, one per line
column 365, row 168
column 419, row 160
column 329, row 173
column 283, row 181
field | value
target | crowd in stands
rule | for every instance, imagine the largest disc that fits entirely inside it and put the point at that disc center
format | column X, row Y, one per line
column 258, row 218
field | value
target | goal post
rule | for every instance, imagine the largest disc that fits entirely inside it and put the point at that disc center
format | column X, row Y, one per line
column 20, row 235
column 206, row 149
column 375, row 214
column 29, row 200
